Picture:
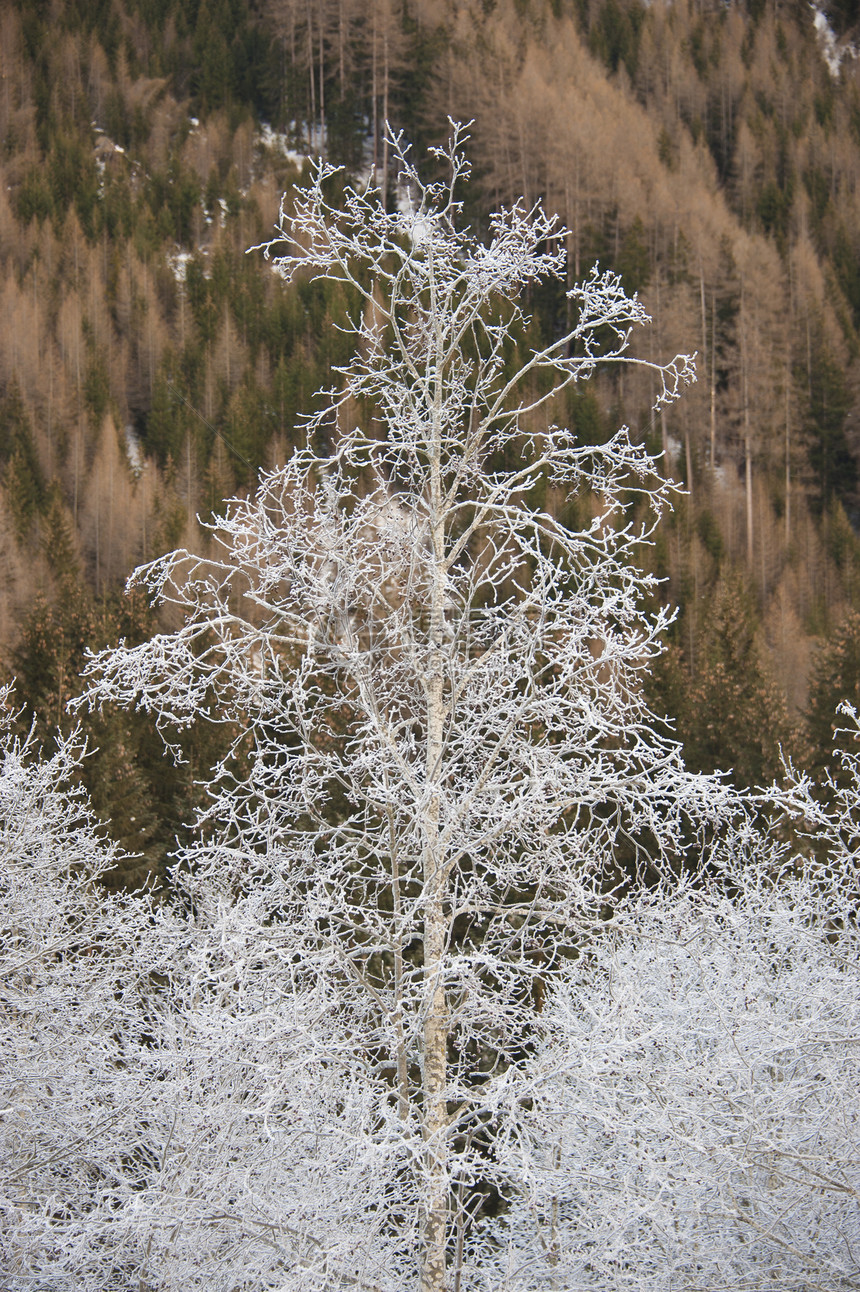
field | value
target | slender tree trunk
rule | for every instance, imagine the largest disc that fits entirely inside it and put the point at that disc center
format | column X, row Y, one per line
column 98, row 538
column 149, row 297
column 386, row 68
column 688, row 456
column 705, row 349
column 341, row 47
column 190, row 500
column 435, row 1033
column 748, row 474
column 787, row 454
column 311, row 78
column 228, row 366
column 748, row 470
column 110, row 525
column 573, row 255
column 374, row 90
column 435, row 1042
column 50, row 363
column 292, row 58
column 788, row 350
column 143, row 480
column 77, row 475
column 323, row 141
column 713, row 390
column 762, row 552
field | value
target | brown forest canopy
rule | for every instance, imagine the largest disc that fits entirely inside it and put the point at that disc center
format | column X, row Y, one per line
column 709, row 152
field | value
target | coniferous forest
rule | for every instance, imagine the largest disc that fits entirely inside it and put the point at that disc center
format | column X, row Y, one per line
column 149, row 366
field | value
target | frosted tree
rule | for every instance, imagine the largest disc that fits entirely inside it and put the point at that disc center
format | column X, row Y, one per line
column 693, row 1119
column 694, row 1113
column 153, row 1067
column 443, row 754
column 70, row 1005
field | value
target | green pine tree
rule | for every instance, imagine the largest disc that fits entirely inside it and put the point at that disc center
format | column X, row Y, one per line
column 835, row 678
column 732, row 715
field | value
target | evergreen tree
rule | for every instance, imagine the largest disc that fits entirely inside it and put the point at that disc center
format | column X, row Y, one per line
column 733, row 717
column 835, row 680
column 833, row 463
column 134, row 787
column 21, row 473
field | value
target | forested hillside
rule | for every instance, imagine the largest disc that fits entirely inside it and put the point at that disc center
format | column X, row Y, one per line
column 708, row 152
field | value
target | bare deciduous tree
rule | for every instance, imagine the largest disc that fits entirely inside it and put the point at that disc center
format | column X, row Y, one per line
column 397, row 930
column 439, row 681
column 72, row 1092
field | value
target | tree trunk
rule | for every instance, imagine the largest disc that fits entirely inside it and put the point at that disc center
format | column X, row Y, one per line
column 787, row 454
column 323, row 140
column 435, row 1033
column 374, row 92
column 341, row 47
column 386, row 68
column 311, row 79
column 748, row 470
column 435, row 1043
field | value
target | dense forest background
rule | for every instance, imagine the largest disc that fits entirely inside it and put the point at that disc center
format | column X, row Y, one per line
column 709, row 152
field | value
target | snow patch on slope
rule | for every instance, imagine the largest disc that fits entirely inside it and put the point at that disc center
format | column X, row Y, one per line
column 833, row 50
column 279, row 141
